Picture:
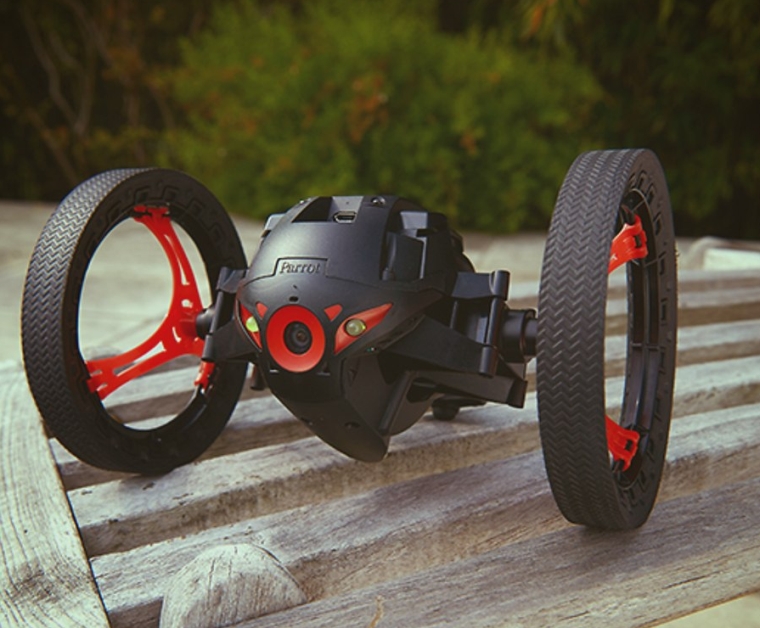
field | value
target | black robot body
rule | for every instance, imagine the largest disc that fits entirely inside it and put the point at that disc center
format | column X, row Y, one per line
column 361, row 312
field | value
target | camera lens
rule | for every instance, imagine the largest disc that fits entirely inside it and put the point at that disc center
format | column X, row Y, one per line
column 297, row 337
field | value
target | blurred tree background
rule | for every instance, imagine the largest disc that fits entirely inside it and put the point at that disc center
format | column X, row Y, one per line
column 473, row 108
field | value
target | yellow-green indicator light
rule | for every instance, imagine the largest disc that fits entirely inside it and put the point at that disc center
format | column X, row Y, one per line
column 355, row 327
column 251, row 325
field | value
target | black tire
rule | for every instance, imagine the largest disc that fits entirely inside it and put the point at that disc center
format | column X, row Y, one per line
column 590, row 488
column 53, row 359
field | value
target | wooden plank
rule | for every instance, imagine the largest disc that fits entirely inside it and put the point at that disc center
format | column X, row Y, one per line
column 698, row 343
column 394, row 530
column 573, row 577
column 703, row 307
column 227, row 584
column 525, row 294
column 254, row 423
column 256, row 482
column 46, row 580
column 698, row 308
column 717, row 447
column 705, row 343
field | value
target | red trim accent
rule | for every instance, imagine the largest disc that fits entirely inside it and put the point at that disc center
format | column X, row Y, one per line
column 371, row 318
column 245, row 314
column 333, row 311
column 621, row 442
column 204, row 375
column 176, row 335
column 629, row 244
column 261, row 310
column 275, row 337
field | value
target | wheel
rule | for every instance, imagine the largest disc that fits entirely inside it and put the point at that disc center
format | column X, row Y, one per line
column 613, row 211
column 69, row 387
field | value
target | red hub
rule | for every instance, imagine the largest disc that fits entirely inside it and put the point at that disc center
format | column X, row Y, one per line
column 175, row 336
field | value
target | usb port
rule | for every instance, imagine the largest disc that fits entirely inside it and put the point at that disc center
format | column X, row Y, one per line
column 344, row 217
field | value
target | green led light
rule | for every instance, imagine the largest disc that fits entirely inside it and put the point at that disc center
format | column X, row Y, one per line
column 251, row 325
column 355, row 327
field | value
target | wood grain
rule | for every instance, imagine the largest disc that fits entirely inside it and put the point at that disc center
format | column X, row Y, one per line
column 228, row 584
column 456, row 527
column 46, row 580
column 433, row 520
column 573, row 577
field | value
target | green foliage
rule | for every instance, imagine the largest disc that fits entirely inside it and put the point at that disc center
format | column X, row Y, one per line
column 474, row 108
column 681, row 78
column 369, row 97
column 81, row 89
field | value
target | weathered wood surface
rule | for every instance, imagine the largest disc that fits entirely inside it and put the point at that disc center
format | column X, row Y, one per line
column 572, row 577
column 229, row 583
column 45, row 577
column 457, row 526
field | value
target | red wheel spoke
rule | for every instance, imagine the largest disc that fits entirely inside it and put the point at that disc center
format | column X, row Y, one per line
column 203, row 379
column 176, row 335
column 621, row 442
column 629, row 244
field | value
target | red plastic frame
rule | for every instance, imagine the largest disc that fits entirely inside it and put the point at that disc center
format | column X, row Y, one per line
column 629, row 244
column 176, row 335
column 621, row 442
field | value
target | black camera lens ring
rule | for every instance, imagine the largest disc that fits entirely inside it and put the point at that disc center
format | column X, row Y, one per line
column 298, row 338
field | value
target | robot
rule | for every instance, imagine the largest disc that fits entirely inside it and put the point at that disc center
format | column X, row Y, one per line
column 362, row 313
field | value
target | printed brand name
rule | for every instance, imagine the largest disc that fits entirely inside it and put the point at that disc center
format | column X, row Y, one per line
column 301, row 266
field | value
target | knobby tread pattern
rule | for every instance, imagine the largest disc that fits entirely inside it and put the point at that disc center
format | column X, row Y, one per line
column 49, row 318
column 570, row 345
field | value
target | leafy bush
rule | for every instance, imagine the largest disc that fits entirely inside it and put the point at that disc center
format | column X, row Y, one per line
column 681, row 78
column 367, row 97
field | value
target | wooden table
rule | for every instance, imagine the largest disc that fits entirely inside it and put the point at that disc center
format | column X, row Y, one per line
column 456, row 527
